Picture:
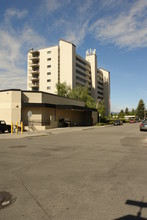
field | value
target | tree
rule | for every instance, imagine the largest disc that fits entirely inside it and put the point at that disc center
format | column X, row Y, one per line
column 101, row 108
column 121, row 114
column 82, row 93
column 79, row 93
column 140, row 112
column 126, row 111
column 133, row 112
column 63, row 89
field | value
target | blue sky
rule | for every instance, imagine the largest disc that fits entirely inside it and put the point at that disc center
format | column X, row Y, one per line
column 116, row 29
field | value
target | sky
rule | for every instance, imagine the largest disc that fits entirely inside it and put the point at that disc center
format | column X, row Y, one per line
column 116, row 29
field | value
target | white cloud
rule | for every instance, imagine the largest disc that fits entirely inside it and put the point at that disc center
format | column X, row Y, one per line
column 50, row 6
column 13, row 12
column 84, row 8
column 75, row 28
column 30, row 38
column 124, row 28
column 77, row 34
column 14, row 46
column 127, row 29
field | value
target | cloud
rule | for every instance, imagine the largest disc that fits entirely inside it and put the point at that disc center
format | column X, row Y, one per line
column 73, row 25
column 50, row 6
column 77, row 35
column 14, row 46
column 71, row 20
column 30, row 38
column 126, row 29
column 83, row 9
column 13, row 12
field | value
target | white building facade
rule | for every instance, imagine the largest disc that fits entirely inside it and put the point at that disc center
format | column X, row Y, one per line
column 61, row 63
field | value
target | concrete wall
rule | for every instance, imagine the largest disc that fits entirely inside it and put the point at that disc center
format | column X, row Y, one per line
column 40, row 116
column 38, row 97
column 106, row 86
column 92, row 59
column 5, row 106
column 49, row 73
column 67, row 62
column 31, row 97
column 94, row 117
column 48, row 98
column 10, row 106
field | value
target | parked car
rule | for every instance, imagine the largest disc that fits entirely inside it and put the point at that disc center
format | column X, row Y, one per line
column 118, row 122
column 143, row 125
column 4, row 127
column 64, row 123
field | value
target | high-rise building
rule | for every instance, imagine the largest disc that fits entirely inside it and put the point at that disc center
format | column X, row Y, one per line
column 61, row 63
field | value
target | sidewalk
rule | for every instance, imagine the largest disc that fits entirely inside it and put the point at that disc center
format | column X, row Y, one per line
column 47, row 132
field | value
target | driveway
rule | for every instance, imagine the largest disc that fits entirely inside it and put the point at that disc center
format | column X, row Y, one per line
column 77, row 174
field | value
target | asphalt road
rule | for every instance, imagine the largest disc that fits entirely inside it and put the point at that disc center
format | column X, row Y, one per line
column 88, row 174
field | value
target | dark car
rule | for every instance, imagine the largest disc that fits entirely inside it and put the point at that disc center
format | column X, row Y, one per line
column 143, row 125
column 4, row 127
column 117, row 122
column 64, row 123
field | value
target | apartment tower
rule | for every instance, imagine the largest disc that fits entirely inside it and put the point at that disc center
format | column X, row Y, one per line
column 61, row 63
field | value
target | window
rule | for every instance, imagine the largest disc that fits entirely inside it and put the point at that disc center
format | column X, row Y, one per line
column 48, row 66
column 48, row 52
column 48, row 80
column 48, row 59
column 49, row 87
column 48, row 73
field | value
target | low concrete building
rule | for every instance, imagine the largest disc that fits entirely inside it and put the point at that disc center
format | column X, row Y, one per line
column 43, row 110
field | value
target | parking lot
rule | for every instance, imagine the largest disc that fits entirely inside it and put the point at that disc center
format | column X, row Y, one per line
column 74, row 174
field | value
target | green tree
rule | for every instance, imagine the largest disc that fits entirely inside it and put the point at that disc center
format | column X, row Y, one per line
column 133, row 112
column 82, row 93
column 63, row 89
column 140, row 112
column 79, row 93
column 101, row 108
column 121, row 114
column 126, row 111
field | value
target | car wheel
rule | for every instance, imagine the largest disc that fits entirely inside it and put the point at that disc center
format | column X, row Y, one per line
column 9, row 130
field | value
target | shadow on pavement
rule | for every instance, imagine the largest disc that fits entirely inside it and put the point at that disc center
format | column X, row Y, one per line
column 139, row 204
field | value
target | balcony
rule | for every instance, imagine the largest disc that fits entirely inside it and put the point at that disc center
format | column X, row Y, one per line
column 34, row 52
column 34, row 72
column 34, row 85
column 34, row 64
column 34, row 58
column 33, row 78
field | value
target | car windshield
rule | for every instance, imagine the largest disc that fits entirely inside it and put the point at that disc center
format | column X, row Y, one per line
column 145, row 122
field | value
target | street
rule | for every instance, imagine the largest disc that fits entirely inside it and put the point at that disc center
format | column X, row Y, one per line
column 87, row 174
